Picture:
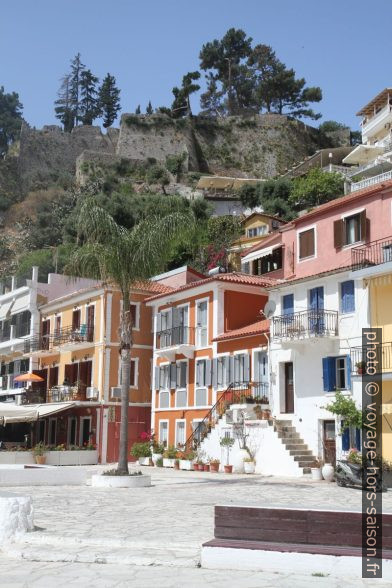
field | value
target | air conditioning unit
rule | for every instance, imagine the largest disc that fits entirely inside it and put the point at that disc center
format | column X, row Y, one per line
column 115, row 392
column 92, row 393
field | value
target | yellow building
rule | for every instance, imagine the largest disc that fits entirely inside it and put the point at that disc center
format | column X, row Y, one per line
column 255, row 228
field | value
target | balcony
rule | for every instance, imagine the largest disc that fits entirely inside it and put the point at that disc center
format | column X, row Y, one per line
column 377, row 122
column 384, row 359
column 66, row 339
column 372, row 254
column 39, row 346
column 306, row 324
column 366, row 183
column 66, row 393
column 174, row 341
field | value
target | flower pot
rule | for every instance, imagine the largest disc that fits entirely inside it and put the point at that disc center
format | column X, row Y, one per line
column 155, row 457
column 40, row 459
column 176, row 465
column 206, row 467
column 328, row 472
column 196, row 467
column 228, row 469
column 144, row 461
column 249, row 467
column 316, row 474
column 185, row 464
column 214, row 467
column 168, row 462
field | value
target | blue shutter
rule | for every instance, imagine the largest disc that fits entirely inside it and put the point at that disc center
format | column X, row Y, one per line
column 347, row 296
column 358, row 439
column 329, row 374
column 345, row 438
column 348, row 372
column 288, row 304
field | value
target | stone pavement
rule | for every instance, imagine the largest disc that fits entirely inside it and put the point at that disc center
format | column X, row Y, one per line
column 146, row 534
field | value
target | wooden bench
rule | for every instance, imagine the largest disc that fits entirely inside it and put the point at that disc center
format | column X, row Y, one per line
column 322, row 532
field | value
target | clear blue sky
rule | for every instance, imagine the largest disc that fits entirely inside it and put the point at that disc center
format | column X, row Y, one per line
column 343, row 46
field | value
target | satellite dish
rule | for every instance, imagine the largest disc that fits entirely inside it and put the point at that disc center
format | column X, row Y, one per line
column 269, row 309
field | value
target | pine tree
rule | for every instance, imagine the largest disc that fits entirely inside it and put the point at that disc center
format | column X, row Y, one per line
column 89, row 104
column 77, row 69
column 181, row 105
column 149, row 109
column 64, row 106
column 138, row 109
column 109, row 100
column 10, row 119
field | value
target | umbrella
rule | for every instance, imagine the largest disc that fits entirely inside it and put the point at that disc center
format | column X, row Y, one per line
column 28, row 378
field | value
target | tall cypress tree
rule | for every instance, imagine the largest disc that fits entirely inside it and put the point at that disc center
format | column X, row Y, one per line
column 89, row 104
column 149, row 109
column 64, row 107
column 77, row 69
column 109, row 100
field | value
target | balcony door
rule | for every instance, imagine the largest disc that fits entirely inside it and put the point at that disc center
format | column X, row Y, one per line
column 45, row 329
column 90, row 322
column 288, row 388
column 316, row 307
column 201, row 323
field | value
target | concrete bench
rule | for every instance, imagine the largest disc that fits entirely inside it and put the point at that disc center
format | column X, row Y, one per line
column 304, row 540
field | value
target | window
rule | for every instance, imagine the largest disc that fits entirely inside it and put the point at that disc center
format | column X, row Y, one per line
column 246, row 267
column 52, row 431
column 180, row 433
column 85, row 430
column 164, row 399
column 203, row 380
column 256, row 231
column 268, row 263
column 241, row 368
column 288, row 304
column 260, row 367
column 336, row 373
column 179, row 325
column 222, row 372
column 71, row 437
column 76, row 320
column 306, row 241
column 347, row 297
column 164, row 377
column 163, row 432
column 351, row 229
column 134, row 312
column 351, row 437
column 181, row 383
column 201, row 323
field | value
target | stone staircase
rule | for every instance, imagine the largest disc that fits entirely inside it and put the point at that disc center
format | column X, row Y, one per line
column 294, row 444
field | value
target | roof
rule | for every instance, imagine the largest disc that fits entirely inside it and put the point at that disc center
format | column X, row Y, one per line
column 375, row 102
column 232, row 278
column 288, row 281
column 246, row 218
column 256, row 328
column 265, row 242
column 224, row 182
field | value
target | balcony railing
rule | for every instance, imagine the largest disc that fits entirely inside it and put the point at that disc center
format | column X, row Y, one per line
column 39, row 343
column 66, row 393
column 82, row 334
column 371, row 181
column 305, row 324
column 373, row 253
column 383, row 357
column 175, row 336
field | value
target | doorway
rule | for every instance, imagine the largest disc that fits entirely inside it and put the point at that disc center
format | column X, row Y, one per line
column 316, row 308
column 288, row 387
column 85, row 430
column 329, row 442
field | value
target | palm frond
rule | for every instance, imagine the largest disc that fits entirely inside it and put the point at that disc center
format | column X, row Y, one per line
column 96, row 225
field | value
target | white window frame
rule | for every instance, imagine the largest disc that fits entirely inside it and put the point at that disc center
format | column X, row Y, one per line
column 167, row 431
column 164, row 365
column 242, row 352
column 82, row 419
column 253, row 370
column 299, row 232
column 176, row 441
column 137, row 314
column 338, row 370
column 223, row 386
column 136, row 373
column 197, row 359
column 198, row 333
column 348, row 215
column 164, row 391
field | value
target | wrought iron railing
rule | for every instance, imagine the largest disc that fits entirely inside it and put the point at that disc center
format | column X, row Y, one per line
column 305, row 323
column 36, row 395
column 382, row 363
column 373, row 253
column 38, row 343
column 181, row 335
column 82, row 334
column 66, row 393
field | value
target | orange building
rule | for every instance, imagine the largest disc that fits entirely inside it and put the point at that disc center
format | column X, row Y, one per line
column 208, row 335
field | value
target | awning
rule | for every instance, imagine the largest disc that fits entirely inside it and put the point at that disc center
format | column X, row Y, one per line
column 258, row 254
column 12, row 413
column 5, row 309
column 363, row 154
column 13, row 392
column 48, row 409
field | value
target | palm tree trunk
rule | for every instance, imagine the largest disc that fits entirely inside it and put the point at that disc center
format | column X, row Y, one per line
column 125, row 359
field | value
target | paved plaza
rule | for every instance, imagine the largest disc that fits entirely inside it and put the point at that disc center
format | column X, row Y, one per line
column 152, row 536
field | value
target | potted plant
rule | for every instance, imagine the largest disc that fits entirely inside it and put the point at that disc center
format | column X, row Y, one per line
column 169, row 457
column 142, row 451
column 187, row 459
column 316, row 470
column 39, row 453
column 214, row 465
column 159, row 462
column 206, row 467
column 157, row 452
column 227, row 443
column 360, row 365
column 176, row 464
column 249, row 465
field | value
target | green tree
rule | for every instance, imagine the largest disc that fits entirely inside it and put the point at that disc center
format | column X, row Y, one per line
column 123, row 258
column 138, row 109
column 75, row 76
column 212, row 99
column 158, row 175
column 224, row 61
column 316, row 188
column 275, row 198
column 175, row 164
column 89, row 104
column 250, row 195
column 221, row 232
column 64, row 109
column 10, row 119
column 181, row 105
column 109, row 100
column 149, row 109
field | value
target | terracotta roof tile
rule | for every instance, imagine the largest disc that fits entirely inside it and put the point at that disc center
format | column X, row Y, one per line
column 256, row 328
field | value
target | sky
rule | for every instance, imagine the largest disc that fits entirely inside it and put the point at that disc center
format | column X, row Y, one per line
column 344, row 46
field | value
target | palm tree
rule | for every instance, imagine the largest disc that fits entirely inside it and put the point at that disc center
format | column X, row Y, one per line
column 123, row 258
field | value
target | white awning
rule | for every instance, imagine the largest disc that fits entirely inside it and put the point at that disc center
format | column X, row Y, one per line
column 258, row 254
column 363, row 154
column 13, row 392
column 48, row 409
column 5, row 309
column 12, row 413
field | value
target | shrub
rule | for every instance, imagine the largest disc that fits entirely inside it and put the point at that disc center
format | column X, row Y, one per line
column 170, row 452
column 141, row 449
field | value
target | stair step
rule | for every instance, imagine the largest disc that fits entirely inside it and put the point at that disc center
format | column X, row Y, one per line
column 300, row 452
column 305, row 464
column 304, row 458
column 307, row 470
column 295, row 446
column 285, row 435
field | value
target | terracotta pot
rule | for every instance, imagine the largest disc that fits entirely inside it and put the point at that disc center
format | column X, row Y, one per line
column 40, row 459
column 214, row 467
column 228, row 469
column 206, row 467
column 196, row 467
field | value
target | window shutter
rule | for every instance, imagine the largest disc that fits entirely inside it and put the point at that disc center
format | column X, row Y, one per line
column 159, row 322
column 345, row 438
column 170, row 319
column 358, row 439
column 173, row 375
column 132, row 379
column 198, row 364
column 329, row 374
column 288, row 304
column 132, row 311
column 306, row 243
column 236, row 368
column 246, row 368
column 348, row 296
column 348, row 370
column 338, row 233
column 231, row 369
column 215, row 372
column 326, row 375
column 175, row 317
column 208, row 372
column 363, row 225
column 246, row 267
column 156, row 377
column 181, row 374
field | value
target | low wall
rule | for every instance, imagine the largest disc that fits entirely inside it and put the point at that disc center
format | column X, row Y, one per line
column 60, row 458
column 42, row 476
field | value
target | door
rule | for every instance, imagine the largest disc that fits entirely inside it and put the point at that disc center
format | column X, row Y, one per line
column 329, row 442
column 201, row 323
column 289, row 387
column 90, row 323
column 45, row 334
column 260, row 376
column 53, row 377
column 316, row 308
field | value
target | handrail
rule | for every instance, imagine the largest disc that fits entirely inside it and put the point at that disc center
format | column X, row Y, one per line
column 305, row 323
column 374, row 253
